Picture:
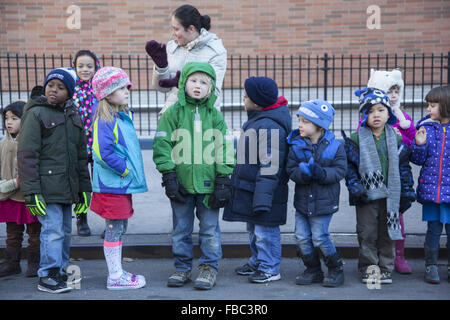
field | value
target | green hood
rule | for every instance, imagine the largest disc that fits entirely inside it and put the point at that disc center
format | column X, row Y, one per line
column 190, row 68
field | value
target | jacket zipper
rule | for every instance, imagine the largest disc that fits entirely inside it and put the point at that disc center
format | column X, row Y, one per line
column 440, row 167
column 68, row 154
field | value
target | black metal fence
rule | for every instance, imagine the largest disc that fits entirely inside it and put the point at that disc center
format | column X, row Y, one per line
column 300, row 78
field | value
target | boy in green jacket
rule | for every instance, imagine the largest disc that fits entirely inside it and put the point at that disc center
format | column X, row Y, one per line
column 196, row 156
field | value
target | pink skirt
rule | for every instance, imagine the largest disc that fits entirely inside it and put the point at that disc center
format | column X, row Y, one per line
column 112, row 206
column 15, row 211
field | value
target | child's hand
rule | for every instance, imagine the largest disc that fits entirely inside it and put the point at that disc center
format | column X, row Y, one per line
column 397, row 130
column 421, row 136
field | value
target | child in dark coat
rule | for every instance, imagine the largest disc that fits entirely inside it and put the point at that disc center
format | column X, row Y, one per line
column 260, row 190
column 316, row 163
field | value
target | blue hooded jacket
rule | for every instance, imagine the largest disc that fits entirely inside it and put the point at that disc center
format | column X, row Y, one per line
column 115, row 149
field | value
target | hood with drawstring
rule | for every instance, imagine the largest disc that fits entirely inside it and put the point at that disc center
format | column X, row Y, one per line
column 194, row 127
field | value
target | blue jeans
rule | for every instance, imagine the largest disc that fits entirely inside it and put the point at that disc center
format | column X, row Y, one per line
column 265, row 245
column 313, row 232
column 433, row 234
column 209, row 233
column 55, row 237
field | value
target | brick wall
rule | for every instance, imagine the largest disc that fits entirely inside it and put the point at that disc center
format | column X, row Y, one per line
column 247, row 27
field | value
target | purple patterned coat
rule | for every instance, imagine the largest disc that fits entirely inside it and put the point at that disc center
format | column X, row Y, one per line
column 434, row 157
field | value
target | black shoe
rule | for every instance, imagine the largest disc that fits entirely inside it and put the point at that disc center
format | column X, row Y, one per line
column 53, row 283
column 82, row 225
column 262, row 277
column 245, row 270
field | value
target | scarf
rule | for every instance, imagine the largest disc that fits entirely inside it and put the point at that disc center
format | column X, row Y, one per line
column 84, row 99
column 372, row 177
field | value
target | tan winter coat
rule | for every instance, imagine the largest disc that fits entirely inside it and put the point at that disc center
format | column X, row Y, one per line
column 8, row 167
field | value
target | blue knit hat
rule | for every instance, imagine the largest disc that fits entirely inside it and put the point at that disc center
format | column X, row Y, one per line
column 369, row 97
column 67, row 75
column 319, row 112
column 262, row 91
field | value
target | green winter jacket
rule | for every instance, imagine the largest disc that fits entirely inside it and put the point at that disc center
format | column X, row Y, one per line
column 192, row 138
column 51, row 152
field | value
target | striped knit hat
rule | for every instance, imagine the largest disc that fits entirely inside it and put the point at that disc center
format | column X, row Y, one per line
column 109, row 79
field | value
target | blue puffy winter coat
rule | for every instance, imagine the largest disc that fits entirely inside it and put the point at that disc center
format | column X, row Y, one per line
column 434, row 157
column 258, row 197
column 317, row 197
column 115, row 149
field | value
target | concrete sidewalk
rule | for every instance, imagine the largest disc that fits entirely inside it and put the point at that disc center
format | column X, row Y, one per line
column 229, row 286
column 151, row 223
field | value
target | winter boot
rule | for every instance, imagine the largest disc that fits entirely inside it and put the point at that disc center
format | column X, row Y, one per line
column 313, row 272
column 431, row 268
column 82, row 225
column 12, row 262
column 335, row 276
column 34, row 257
column 400, row 263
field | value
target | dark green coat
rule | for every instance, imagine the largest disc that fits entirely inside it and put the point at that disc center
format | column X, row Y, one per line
column 51, row 153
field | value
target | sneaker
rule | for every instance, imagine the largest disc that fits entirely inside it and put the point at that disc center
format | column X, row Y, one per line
column 179, row 278
column 386, row 277
column 53, row 283
column 245, row 270
column 262, row 277
column 206, row 279
column 126, row 281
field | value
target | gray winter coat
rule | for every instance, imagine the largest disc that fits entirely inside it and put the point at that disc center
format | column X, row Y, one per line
column 206, row 48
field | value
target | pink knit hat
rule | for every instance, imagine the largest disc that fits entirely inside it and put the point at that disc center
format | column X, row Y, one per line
column 107, row 80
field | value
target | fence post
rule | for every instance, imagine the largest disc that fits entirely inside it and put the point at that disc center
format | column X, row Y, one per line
column 448, row 68
column 325, row 75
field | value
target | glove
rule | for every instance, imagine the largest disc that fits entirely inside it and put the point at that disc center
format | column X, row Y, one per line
column 318, row 173
column 36, row 204
column 170, row 82
column 157, row 51
column 174, row 190
column 223, row 190
column 405, row 204
column 7, row 186
column 83, row 203
column 359, row 194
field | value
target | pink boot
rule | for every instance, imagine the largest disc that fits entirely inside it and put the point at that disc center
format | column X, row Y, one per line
column 400, row 263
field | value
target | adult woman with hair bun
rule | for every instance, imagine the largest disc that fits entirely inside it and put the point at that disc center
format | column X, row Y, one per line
column 193, row 43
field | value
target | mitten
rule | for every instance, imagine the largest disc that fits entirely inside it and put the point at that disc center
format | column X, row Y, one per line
column 170, row 82
column 7, row 186
column 318, row 173
column 157, row 51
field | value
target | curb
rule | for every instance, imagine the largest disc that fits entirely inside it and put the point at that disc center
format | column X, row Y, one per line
column 234, row 245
